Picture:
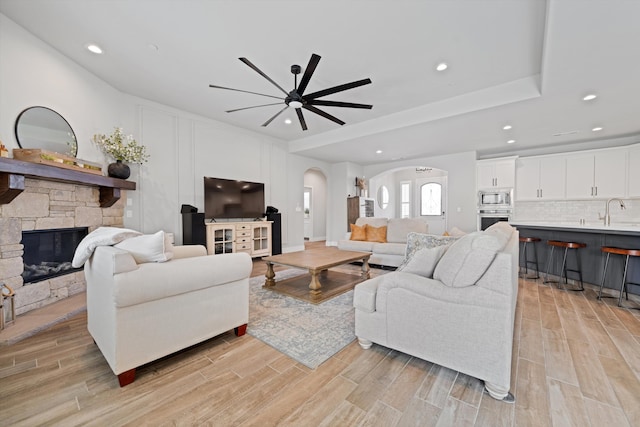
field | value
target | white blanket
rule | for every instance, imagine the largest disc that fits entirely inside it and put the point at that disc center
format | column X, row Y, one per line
column 102, row 236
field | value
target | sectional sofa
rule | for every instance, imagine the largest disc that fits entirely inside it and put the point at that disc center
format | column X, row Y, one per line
column 454, row 307
column 392, row 252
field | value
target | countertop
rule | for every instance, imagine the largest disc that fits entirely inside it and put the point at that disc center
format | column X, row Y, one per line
column 593, row 227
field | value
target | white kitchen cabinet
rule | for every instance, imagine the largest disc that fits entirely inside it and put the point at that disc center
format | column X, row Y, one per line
column 495, row 173
column 540, row 178
column 599, row 174
column 634, row 171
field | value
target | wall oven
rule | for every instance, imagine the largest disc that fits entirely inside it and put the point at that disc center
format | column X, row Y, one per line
column 488, row 217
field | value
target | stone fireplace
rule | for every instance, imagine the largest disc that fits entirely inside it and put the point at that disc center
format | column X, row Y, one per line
column 49, row 205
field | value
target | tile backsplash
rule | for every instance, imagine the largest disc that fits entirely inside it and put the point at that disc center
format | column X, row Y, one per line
column 575, row 210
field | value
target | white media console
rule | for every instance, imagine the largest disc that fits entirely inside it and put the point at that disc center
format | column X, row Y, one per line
column 228, row 237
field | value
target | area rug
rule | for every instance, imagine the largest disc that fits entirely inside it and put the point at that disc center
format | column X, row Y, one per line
column 308, row 333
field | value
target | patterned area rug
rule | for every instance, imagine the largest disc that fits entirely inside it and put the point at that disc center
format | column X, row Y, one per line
column 308, row 333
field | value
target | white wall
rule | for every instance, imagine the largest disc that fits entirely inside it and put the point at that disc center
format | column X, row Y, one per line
column 461, row 170
column 318, row 182
column 32, row 73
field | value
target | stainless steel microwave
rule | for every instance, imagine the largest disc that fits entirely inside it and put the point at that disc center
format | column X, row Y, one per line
column 496, row 198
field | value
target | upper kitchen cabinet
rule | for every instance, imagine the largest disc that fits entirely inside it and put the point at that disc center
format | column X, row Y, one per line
column 634, row 171
column 540, row 178
column 597, row 174
column 495, row 173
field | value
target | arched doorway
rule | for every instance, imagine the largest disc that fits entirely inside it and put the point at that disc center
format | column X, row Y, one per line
column 412, row 192
column 315, row 205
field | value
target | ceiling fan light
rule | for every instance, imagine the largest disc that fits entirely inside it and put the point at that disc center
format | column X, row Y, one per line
column 295, row 104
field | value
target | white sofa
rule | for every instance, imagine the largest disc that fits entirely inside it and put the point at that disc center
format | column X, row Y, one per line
column 391, row 253
column 462, row 318
column 138, row 313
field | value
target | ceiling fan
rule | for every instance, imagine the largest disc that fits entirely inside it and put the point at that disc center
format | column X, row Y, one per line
column 298, row 99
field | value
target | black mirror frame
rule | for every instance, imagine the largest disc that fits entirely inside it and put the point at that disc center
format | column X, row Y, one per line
column 75, row 138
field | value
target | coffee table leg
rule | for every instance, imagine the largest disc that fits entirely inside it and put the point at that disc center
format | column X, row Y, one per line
column 365, row 268
column 270, row 275
column 314, row 285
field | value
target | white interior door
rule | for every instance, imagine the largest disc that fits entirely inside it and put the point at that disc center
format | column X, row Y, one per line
column 308, row 218
column 431, row 202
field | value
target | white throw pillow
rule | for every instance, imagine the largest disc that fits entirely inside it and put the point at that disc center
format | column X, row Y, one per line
column 467, row 259
column 423, row 261
column 147, row 248
column 101, row 236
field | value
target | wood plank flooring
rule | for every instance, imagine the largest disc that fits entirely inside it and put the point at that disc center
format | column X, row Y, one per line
column 576, row 362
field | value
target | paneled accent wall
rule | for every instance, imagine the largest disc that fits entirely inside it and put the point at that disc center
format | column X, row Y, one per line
column 47, row 205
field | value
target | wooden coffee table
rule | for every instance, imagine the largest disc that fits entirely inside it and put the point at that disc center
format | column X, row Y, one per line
column 316, row 261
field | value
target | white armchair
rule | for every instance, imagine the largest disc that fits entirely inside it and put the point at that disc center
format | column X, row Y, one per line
column 138, row 313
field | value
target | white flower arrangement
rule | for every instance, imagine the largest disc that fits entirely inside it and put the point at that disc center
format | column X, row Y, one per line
column 121, row 147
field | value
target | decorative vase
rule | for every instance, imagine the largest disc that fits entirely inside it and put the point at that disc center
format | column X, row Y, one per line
column 118, row 170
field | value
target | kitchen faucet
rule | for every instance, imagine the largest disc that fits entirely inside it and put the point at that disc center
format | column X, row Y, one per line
column 607, row 215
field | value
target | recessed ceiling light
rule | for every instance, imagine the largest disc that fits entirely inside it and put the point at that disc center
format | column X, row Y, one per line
column 511, row 141
column 94, row 48
column 287, row 121
column 442, row 66
column 378, row 151
column 589, row 97
column 596, row 129
column 506, row 127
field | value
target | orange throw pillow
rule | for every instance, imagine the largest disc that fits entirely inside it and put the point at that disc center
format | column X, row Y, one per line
column 357, row 232
column 376, row 234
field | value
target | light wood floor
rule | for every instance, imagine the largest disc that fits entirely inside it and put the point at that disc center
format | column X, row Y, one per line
column 576, row 362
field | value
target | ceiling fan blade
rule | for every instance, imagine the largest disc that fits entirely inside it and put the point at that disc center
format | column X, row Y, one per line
column 257, row 70
column 303, row 123
column 323, row 114
column 274, row 116
column 245, row 91
column 338, row 104
column 308, row 72
column 337, row 89
column 255, row 106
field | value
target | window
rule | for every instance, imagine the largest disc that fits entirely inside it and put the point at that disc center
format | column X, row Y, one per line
column 405, row 199
column 383, row 197
column 431, row 199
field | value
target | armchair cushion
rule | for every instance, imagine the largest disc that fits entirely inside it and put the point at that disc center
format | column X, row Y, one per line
column 358, row 233
column 148, row 247
column 376, row 234
column 423, row 261
column 468, row 258
column 417, row 241
column 99, row 237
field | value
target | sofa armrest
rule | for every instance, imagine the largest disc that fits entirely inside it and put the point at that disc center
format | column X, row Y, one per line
column 188, row 251
column 364, row 295
column 152, row 281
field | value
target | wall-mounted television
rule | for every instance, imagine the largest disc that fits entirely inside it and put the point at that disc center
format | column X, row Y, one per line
column 227, row 198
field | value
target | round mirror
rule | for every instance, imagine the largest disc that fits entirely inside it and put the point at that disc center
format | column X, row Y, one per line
column 383, row 197
column 43, row 128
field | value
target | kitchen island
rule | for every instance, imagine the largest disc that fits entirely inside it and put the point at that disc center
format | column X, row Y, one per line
column 623, row 235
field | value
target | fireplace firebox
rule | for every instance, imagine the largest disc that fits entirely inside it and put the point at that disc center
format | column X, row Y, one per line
column 48, row 253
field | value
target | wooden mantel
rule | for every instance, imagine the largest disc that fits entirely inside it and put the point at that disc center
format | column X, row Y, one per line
column 13, row 172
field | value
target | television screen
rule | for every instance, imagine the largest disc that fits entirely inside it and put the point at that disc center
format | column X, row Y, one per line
column 227, row 198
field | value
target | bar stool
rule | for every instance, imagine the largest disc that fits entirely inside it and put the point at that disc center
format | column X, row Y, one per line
column 525, row 258
column 623, row 286
column 563, row 272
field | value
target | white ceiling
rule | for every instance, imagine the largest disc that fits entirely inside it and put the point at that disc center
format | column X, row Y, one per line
column 527, row 63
